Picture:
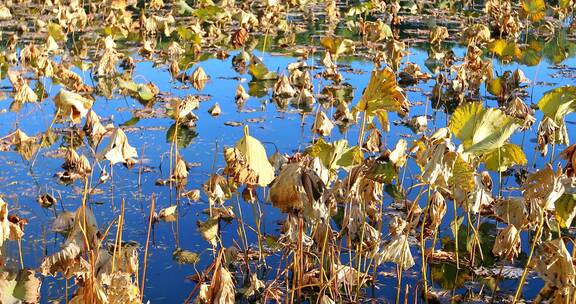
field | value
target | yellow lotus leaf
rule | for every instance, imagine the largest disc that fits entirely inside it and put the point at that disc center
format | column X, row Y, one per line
column 565, row 209
column 5, row 13
column 283, row 88
column 383, row 94
column 72, row 105
column 337, row 154
column 21, row 287
column 398, row 156
column 558, row 102
column 24, row 93
column 287, row 192
column 436, row 212
column 256, row 285
column 215, row 110
column 438, row 34
column 76, row 163
column 481, row 130
column 237, row 168
column 337, row 45
column 107, row 63
column 374, row 141
column 462, row 173
column 504, row 157
column 122, row 289
column 535, row 9
column 241, row 96
column 256, row 158
column 545, row 185
column 504, row 48
column 344, row 274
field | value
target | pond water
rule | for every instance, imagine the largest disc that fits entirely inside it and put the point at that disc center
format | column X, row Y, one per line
column 286, row 130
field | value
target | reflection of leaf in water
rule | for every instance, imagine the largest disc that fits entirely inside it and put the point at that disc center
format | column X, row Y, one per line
column 184, row 137
column 559, row 48
column 259, row 71
column 532, row 54
column 343, row 92
column 187, row 34
column 183, row 8
column 272, row 243
column 486, row 236
column 339, row 217
column 504, row 49
column 448, row 277
column 209, row 12
column 259, row 89
column 189, row 58
column 535, row 9
column 132, row 121
column 395, row 191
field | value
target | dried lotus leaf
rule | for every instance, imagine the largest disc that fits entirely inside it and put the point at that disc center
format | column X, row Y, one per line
column 72, row 105
column 209, row 230
column 169, row 214
column 256, row 158
column 322, row 124
column 118, row 149
column 507, row 243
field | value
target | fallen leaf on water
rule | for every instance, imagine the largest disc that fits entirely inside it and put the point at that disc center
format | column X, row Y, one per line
column 215, row 110
column 233, row 123
column 168, row 214
column 199, row 78
column 182, row 256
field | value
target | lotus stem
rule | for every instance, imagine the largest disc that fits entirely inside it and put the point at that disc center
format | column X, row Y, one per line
column 523, row 278
column 150, row 217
